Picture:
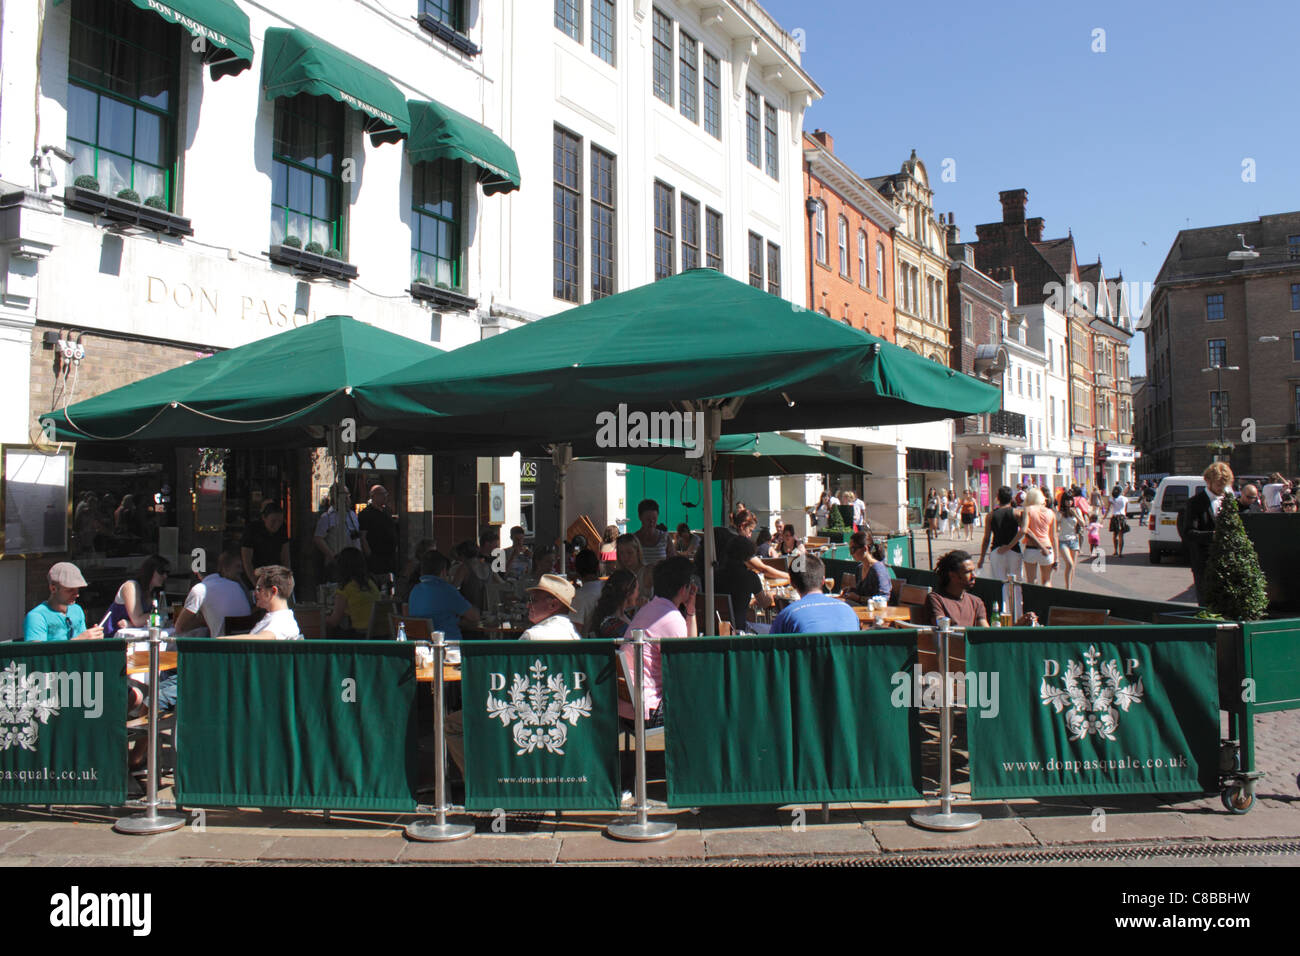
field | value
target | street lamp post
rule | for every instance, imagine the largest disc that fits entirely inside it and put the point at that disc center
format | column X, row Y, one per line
column 1219, row 370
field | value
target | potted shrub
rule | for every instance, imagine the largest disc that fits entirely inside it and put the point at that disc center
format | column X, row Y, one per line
column 156, row 202
column 293, row 242
column 1234, row 583
column 86, row 181
column 315, row 247
column 130, row 195
column 836, row 529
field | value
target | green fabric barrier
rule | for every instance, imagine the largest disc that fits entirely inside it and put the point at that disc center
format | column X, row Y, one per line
column 63, row 723
column 1089, row 711
column 320, row 724
column 1274, row 537
column 541, row 725
column 898, row 550
column 795, row 719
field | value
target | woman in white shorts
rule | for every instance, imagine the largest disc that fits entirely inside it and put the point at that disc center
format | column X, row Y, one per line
column 1068, row 530
column 1039, row 544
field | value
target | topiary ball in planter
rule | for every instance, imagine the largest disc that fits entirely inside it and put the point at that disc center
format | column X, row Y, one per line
column 86, row 181
column 315, row 247
column 156, row 202
column 293, row 242
column 130, row 195
column 334, row 254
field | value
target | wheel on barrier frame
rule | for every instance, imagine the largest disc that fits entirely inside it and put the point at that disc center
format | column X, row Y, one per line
column 1238, row 799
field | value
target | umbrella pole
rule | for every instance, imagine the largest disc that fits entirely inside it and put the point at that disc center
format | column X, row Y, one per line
column 712, row 429
column 562, row 455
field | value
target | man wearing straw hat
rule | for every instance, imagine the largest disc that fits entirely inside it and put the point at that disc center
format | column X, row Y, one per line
column 550, row 602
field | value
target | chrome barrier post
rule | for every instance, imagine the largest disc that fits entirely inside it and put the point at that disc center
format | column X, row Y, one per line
column 639, row 829
column 438, row 830
column 151, row 821
column 942, row 817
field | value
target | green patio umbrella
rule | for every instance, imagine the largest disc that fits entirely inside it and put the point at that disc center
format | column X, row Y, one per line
column 699, row 336
column 283, row 391
column 752, row 455
column 698, row 342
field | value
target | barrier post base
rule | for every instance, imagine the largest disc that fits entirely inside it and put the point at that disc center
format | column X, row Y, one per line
column 427, row 831
column 142, row 824
column 629, row 829
column 933, row 818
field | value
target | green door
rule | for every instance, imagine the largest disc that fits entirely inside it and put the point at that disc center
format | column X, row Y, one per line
column 674, row 493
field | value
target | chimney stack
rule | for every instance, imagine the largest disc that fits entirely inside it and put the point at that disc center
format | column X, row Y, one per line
column 954, row 233
column 1034, row 229
column 825, row 139
column 1013, row 204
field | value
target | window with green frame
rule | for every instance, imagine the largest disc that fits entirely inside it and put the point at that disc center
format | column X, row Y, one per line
column 450, row 12
column 306, row 178
column 122, row 89
column 437, row 206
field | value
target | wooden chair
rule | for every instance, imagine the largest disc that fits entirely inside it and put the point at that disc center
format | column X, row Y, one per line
column 848, row 581
column 777, row 564
column 913, row 594
column 722, row 604
column 625, row 694
column 417, row 628
column 1076, row 617
column 381, row 624
column 239, row 624
column 895, row 588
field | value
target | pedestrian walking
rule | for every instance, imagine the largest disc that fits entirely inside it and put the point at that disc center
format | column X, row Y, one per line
column 1118, row 519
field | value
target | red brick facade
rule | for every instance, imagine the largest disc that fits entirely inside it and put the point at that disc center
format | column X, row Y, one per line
column 847, row 297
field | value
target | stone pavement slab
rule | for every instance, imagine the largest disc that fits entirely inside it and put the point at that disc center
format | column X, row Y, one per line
column 212, row 843
column 682, row 846
column 382, row 848
column 79, row 839
column 990, row 833
column 1118, row 827
column 1261, row 822
column 815, row 840
column 495, row 848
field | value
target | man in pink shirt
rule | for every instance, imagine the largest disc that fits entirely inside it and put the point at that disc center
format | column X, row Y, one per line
column 675, row 586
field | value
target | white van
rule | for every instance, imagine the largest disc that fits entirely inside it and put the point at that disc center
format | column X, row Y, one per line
column 1172, row 495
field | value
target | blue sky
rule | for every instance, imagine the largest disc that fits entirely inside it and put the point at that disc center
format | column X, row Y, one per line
column 1125, row 146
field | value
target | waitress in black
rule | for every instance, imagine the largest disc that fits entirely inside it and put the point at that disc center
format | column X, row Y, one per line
column 265, row 541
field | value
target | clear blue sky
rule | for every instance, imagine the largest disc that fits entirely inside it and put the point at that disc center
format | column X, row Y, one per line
column 1125, row 146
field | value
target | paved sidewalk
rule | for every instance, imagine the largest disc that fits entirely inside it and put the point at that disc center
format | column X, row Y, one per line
column 1129, row 831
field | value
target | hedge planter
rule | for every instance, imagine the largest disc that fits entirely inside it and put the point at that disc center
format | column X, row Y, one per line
column 126, row 212
column 312, row 263
column 443, row 297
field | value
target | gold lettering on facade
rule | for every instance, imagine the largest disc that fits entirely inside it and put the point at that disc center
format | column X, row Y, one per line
column 197, row 298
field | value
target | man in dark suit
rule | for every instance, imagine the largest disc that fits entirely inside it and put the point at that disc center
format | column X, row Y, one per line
column 1197, row 524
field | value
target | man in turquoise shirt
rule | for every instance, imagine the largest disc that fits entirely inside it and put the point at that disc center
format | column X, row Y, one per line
column 60, row 618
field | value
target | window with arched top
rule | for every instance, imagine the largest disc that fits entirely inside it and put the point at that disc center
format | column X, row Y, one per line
column 844, row 246
column 862, row 260
column 880, row 268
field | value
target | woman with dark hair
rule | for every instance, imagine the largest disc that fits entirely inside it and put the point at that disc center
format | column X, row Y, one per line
column 874, row 578
column 616, row 604
column 764, row 543
column 355, row 598
column 134, row 599
column 789, row 542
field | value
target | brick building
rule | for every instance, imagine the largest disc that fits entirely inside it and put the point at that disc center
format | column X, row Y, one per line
column 975, row 301
column 1229, row 302
column 850, row 242
column 1047, row 272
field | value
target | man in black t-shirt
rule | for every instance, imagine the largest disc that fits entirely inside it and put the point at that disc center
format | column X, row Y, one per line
column 265, row 542
column 380, row 528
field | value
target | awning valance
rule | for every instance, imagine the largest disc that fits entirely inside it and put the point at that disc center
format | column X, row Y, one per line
column 221, row 24
column 439, row 132
column 294, row 61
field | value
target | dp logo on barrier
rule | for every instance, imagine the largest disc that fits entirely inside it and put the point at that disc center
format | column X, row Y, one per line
column 539, row 708
column 1091, row 696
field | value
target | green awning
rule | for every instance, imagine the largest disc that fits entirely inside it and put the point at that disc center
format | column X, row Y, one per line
column 439, row 132
column 223, row 26
column 294, row 61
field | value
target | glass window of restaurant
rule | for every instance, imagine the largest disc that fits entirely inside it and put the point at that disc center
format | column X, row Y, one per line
column 450, row 12
column 306, row 171
column 437, row 206
column 122, row 95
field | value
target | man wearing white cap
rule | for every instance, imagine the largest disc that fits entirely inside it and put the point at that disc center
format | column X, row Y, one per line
column 60, row 617
column 550, row 602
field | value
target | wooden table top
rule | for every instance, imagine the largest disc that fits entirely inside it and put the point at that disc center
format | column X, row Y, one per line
column 450, row 673
column 137, row 662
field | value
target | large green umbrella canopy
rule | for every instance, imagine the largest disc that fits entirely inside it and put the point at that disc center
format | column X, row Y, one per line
column 282, row 390
column 695, row 336
column 752, row 455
